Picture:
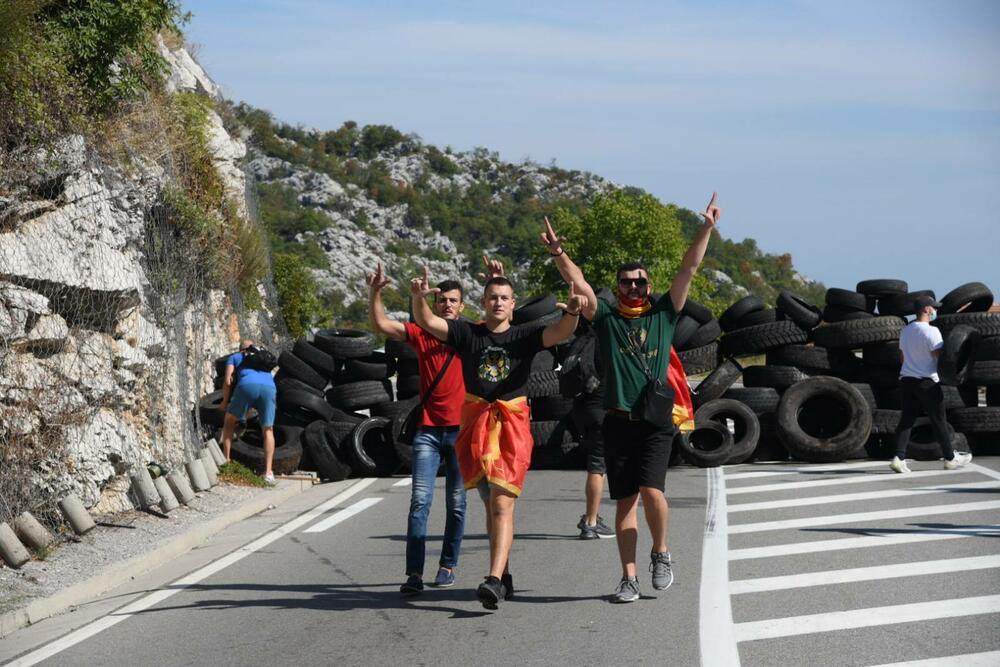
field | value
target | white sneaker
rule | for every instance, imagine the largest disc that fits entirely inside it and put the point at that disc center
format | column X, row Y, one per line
column 960, row 459
column 899, row 465
column 269, row 478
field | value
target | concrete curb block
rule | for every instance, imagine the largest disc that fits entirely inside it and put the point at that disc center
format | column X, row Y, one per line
column 116, row 574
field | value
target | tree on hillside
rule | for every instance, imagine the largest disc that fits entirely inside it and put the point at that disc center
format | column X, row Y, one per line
column 622, row 226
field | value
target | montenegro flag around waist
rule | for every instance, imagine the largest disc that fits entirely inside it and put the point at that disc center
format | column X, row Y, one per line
column 683, row 406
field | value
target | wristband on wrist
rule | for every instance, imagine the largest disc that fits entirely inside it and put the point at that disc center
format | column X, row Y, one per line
column 556, row 254
column 569, row 312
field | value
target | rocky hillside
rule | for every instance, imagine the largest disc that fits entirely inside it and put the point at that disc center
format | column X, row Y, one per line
column 347, row 198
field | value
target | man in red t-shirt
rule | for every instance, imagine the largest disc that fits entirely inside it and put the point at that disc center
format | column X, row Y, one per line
column 435, row 438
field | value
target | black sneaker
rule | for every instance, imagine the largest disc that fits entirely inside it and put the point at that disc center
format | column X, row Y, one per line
column 627, row 591
column 507, row 582
column 490, row 592
column 414, row 585
column 660, row 566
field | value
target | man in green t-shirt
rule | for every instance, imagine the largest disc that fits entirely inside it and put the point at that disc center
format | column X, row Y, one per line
column 634, row 339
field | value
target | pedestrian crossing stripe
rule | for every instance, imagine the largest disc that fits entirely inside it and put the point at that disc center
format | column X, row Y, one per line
column 861, row 478
column 867, row 495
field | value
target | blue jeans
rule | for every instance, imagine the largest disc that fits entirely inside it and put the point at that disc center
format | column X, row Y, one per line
column 431, row 445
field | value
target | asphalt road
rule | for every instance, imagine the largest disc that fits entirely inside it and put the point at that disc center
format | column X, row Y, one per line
column 316, row 582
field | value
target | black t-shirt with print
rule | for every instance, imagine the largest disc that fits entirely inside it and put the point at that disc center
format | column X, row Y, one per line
column 495, row 365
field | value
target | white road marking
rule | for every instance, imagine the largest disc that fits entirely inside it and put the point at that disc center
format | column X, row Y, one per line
column 861, row 478
column 757, row 474
column 404, row 482
column 863, row 618
column 988, row 659
column 917, row 535
column 982, row 469
column 854, row 497
column 343, row 515
column 897, row 570
column 833, row 519
column 718, row 642
column 119, row 615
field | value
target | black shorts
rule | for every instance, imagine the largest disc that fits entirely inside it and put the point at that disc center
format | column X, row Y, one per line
column 636, row 453
column 588, row 415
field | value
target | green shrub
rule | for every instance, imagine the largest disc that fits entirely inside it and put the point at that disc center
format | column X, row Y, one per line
column 300, row 305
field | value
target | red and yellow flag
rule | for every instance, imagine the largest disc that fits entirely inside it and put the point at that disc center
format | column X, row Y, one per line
column 683, row 406
column 494, row 441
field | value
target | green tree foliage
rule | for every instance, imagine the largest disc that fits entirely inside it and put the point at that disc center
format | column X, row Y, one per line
column 297, row 297
column 284, row 217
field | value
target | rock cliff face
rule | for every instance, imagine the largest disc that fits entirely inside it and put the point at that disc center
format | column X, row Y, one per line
column 105, row 346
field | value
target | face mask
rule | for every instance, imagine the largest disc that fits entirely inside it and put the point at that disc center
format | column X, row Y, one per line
column 933, row 315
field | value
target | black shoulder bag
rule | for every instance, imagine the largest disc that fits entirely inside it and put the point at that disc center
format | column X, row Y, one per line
column 656, row 403
column 409, row 430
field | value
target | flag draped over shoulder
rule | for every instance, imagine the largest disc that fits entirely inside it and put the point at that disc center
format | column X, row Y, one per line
column 683, row 406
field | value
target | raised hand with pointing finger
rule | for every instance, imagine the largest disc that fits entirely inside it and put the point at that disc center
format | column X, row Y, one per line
column 419, row 286
column 494, row 268
column 575, row 303
column 550, row 240
column 712, row 212
column 376, row 281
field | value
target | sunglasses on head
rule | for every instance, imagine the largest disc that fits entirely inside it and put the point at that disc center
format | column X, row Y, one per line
column 637, row 282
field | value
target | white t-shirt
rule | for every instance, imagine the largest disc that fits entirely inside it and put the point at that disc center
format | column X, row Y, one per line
column 916, row 342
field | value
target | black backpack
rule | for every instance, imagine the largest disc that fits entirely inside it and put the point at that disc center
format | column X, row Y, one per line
column 578, row 373
column 255, row 358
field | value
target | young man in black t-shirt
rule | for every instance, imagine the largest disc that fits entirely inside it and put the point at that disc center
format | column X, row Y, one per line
column 494, row 441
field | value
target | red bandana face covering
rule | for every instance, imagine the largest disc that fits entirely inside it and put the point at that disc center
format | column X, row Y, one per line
column 632, row 308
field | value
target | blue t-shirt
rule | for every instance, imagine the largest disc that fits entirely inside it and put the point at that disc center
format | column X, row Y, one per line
column 249, row 375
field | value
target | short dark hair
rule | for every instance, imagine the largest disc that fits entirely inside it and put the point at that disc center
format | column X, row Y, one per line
column 451, row 285
column 631, row 266
column 498, row 280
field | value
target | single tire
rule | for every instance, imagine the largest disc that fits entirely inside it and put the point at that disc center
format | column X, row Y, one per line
column 542, row 384
column 696, row 311
column 798, row 310
column 882, row 287
column 989, row 348
column 887, row 398
column 373, row 367
column 291, row 366
column 924, row 445
column 321, row 454
column 407, row 367
column 848, row 299
column 838, row 314
column 700, row 359
column 901, row 305
column 210, row 409
column 769, row 449
column 967, row 298
column 955, row 364
column 759, row 399
column 748, row 304
column 985, row 373
column 709, row 445
column 706, row 333
column 884, row 422
column 806, row 356
column 318, row 360
column 344, row 343
column 220, row 365
column 745, row 427
column 718, row 381
column 249, row 451
column 397, row 412
column 305, row 405
column 853, row 334
column 338, row 435
column 372, row 450
column 762, row 338
column 551, row 408
column 685, row 328
column 359, row 395
column 407, row 386
column 534, row 308
column 823, row 419
column 543, row 361
column 286, row 384
column 346, row 416
column 765, row 316
column 976, row 420
column 987, row 324
column 399, row 350
column 867, row 393
column 777, row 377
column 879, row 376
column 885, row 353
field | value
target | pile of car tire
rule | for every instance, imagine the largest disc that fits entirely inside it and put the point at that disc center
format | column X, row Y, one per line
column 829, row 387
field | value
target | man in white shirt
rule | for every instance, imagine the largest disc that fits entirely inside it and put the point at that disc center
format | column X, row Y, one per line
column 920, row 346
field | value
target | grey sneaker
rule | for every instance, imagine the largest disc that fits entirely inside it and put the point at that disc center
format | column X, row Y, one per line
column 598, row 530
column 660, row 566
column 627, row 591
column 899, row 465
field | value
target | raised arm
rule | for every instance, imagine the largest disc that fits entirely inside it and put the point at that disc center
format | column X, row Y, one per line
column 376, row 312
column 564, row 328
column 569, row 271
column 422, row 313
column 692, row 258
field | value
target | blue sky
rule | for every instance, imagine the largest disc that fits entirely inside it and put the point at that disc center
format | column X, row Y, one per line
column 861, row 137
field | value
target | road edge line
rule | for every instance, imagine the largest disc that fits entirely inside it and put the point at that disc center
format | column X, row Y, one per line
column 716, row 634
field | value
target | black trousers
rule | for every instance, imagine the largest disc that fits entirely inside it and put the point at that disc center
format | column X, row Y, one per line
column 922, row 395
